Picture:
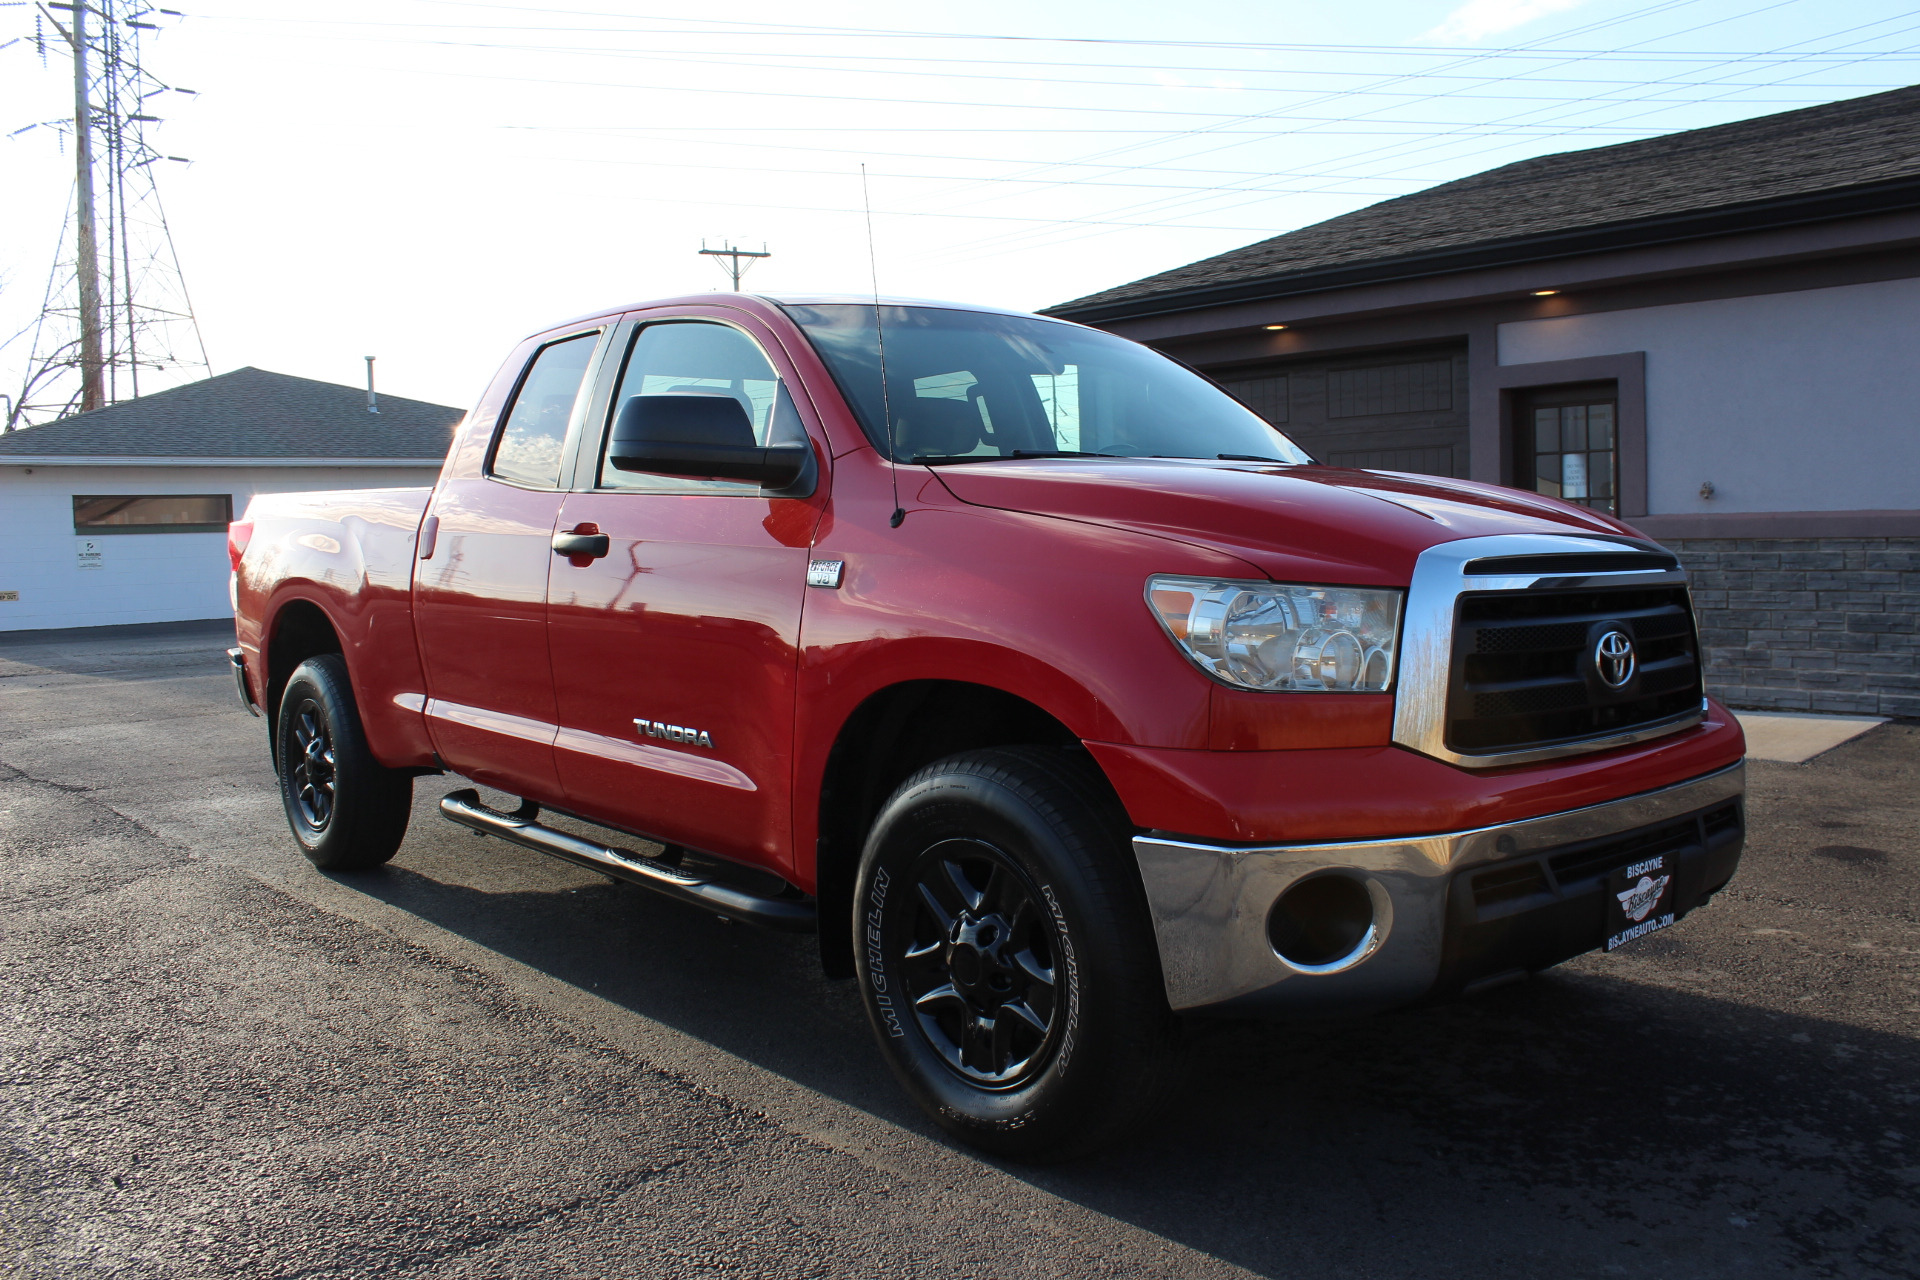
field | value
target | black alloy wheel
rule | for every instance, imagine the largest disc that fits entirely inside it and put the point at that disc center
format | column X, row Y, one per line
column 313, row 772
column 1006, row 956
column 978, row 964
column 347, row 811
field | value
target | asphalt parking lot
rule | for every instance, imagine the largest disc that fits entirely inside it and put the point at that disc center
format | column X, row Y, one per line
column 215, row 1061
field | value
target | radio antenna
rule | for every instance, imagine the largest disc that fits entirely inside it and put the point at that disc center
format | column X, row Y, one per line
column 880, row 337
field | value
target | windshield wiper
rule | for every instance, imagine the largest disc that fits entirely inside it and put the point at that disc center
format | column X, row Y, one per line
column 1250, row 457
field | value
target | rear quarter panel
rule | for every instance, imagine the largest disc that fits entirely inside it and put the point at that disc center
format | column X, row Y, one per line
column 350, row 553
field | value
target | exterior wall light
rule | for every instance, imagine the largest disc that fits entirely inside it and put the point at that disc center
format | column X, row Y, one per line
column 1544, row 293
column 1275, row 328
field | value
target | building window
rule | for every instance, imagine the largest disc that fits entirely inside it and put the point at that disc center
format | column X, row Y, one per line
column 152, row 513
column 1568, row 445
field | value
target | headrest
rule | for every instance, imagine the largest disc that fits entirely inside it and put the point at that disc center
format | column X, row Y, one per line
column 936, row 428
column 686, row 419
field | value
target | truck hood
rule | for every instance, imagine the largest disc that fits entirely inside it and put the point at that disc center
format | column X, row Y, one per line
column 1299, row 523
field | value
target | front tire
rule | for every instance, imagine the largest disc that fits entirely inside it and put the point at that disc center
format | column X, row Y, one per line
column 348, row 811
column 1005, row 954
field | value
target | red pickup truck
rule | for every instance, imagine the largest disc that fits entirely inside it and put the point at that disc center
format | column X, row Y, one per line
column 1060, row 693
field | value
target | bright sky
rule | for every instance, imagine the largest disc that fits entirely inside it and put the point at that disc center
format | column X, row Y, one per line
column 429, row 180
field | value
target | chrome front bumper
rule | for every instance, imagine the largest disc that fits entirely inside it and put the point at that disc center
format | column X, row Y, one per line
column 1210, row 903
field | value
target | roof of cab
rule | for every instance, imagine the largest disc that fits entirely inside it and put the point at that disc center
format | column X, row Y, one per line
column 721, row 299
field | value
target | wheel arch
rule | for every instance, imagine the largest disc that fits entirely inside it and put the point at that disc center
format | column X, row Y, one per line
column 300, row 629
column 891, row 733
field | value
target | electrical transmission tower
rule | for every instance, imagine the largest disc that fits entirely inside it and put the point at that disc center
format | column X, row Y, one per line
column 116, row 304
column 733, row 266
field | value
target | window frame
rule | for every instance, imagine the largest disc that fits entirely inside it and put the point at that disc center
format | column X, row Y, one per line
column 1525, row 454
column 590, row 457
column 114, row 530
column 1498, row 394
column 575, row 418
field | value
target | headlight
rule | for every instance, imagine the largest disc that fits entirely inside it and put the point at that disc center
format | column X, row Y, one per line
column 1280, row 637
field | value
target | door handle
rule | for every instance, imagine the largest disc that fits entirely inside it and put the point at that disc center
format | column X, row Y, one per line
column 582, row 545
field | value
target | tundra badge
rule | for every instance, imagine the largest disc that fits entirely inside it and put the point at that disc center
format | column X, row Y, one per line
column 674, row 733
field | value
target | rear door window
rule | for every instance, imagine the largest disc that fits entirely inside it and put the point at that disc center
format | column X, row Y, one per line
column 533, row 434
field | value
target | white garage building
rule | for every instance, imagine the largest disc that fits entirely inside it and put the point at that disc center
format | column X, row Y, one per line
column 119, row 516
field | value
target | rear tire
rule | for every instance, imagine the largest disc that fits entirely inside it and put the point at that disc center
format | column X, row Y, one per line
column 1006, row 957
column 347, row 810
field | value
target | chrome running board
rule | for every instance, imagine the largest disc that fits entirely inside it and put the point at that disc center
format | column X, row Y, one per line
column 790, row 914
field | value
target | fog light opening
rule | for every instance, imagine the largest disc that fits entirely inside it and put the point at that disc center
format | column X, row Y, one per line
column 1323, row 924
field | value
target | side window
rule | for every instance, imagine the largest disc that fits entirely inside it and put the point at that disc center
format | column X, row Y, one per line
column 534, row 430
column 700, row 358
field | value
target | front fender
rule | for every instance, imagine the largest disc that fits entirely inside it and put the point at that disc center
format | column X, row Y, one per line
column 1049, row 611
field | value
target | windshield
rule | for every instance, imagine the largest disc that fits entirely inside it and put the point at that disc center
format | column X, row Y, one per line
column 966, row 385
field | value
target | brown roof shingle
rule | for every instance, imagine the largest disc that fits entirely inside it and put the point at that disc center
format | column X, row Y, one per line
column 248, row 413
column 1838, row 145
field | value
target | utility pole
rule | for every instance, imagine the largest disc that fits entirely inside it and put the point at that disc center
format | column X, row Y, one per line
column 93, row 394
column 732, row 266
column 115, row 299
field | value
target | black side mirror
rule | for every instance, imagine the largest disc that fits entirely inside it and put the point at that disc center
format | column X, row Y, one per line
column 710, row 437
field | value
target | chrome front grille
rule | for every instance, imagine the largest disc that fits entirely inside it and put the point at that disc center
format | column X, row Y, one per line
column 1500, row 655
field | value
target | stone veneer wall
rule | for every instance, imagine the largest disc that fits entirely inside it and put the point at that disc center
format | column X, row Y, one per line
column 1809, row 624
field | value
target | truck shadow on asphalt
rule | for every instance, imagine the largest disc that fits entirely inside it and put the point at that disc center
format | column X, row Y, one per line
column 1596, row 1124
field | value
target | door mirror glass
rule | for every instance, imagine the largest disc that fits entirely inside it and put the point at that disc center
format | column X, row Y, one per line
column 702, row 436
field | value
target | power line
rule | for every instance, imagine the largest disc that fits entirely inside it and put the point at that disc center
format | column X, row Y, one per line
column 1380, row 154
column 869, row 101
column 802, row 62
column 1039, row 238
column 717, row 26
column 1465, row 60
column 1386, row 123
column 1321, row 102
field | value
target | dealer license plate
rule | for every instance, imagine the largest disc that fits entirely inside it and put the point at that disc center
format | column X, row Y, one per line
column 1639, row 900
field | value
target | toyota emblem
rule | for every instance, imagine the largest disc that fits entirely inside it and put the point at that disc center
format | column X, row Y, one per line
column 1613, row 658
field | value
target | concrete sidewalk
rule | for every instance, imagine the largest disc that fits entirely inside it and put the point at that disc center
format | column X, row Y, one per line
column 1795, row 737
